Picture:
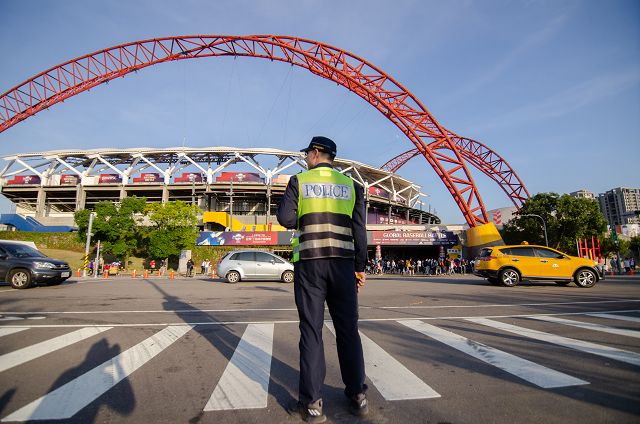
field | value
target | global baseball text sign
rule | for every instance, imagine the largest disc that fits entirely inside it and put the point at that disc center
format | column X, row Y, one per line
column 429, row 238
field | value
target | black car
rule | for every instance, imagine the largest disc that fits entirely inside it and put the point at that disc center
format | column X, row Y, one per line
column 24, row 266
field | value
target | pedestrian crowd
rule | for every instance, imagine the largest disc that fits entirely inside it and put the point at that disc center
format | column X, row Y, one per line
column 430, row 266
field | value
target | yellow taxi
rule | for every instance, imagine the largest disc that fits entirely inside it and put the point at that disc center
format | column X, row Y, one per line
column 508, row 265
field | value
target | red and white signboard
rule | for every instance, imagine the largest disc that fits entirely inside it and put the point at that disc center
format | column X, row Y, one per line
column 497, row 217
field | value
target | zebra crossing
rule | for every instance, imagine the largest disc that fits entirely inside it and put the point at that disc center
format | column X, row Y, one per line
column 244, row 383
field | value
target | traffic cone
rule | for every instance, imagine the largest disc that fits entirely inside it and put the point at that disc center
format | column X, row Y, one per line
column 78, row 273
column 173, row 276
column 133, row 274
column 146, row 273
column 106, row 274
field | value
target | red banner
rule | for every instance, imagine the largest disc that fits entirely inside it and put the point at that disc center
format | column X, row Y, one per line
column 69, row 179
column 109, row 179
column 428, row 238
column 377, row 191
column 25, row 179
column 188, row 177
column 240, row 177
column 148, row 177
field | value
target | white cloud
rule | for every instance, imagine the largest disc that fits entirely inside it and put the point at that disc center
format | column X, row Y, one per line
column 567, row 101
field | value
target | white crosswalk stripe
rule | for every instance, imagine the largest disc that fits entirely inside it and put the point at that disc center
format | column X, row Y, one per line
column 19, row 357
column 392, row 379
column 8, row 331
column 245, row 382
column 616, row 316
column 590, row 326
column 67, row 400
column 537, row 374
column 593, row 348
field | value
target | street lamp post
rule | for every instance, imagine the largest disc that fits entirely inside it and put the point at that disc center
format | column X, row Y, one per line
column 88, row 245
column 544, row 225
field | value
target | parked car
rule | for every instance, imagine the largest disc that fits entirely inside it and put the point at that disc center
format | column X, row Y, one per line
column 508, row 265
column 23, row 266
column 254, row 264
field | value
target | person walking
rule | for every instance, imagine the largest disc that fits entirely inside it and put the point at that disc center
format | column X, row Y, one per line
column 329, row 255
column 190, row 265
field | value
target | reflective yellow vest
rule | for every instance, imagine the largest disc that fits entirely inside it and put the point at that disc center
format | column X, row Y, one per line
column 325, row 207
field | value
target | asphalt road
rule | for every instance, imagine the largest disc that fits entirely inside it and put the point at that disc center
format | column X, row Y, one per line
column 438, row 350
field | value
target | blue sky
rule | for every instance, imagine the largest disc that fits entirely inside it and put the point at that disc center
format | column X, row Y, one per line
column 552, row 86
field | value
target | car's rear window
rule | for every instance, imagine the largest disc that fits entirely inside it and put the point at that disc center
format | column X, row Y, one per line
column 22, row 251
column 519, row 251
column 244, row 256
column 484, row 253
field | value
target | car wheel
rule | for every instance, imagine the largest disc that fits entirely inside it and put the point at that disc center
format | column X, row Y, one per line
column 287, row 277
column 20, row 279
column 562, row 283
column 585, row 278
column 509, row 277
column 233, row 277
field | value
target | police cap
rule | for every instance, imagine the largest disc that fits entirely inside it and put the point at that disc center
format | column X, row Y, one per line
column 323, row 144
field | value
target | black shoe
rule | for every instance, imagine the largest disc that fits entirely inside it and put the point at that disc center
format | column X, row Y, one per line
column 311, row 413
column 358, row 404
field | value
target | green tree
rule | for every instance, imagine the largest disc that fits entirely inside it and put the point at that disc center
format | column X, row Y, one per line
column 634, row 246
column 567, row 218
column 174, row 228
column 116, row 225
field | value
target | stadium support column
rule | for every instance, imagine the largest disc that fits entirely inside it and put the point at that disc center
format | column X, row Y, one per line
column 268, row 204
column 81, row 198
column 165, row 194
column 40, row 202
column 123, row 192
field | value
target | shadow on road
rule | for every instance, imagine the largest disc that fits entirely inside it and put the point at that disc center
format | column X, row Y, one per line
column 223, row 339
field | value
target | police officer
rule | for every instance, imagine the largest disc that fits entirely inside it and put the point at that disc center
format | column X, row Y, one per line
column 329, row 255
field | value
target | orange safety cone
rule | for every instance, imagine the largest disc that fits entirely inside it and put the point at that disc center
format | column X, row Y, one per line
column 78, row 273
column 106, row 274
column 133, row 274
column 173, row 276
column 146, row 273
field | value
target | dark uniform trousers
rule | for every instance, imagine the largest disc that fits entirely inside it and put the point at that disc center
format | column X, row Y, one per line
column 332, row 279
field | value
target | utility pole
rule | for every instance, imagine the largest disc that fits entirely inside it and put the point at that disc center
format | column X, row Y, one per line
column 96, row 264
column 86, row 247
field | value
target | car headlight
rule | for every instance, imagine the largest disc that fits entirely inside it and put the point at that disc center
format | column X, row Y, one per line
column 45, row 265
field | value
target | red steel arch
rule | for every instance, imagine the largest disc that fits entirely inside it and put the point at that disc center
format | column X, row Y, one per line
column 356, row 74
column 484, row 159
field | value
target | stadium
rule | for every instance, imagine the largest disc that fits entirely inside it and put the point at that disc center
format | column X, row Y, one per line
column 237, row 189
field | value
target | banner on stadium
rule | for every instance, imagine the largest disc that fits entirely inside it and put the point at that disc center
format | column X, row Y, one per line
column 240, row 177
column 110, row 179
column 148, row 177
column 69, row 179
column 25, row 179
column 411, row 238
column 244, row 238
column 188, row 177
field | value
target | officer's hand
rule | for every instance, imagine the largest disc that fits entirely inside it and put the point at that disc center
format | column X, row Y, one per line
column 360, row 279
